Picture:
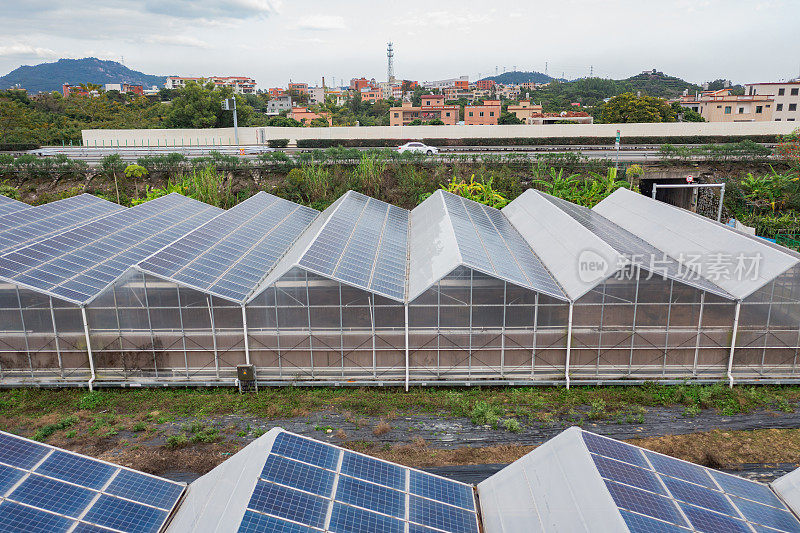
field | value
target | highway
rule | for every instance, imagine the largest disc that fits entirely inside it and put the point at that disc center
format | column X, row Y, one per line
column 629, row 154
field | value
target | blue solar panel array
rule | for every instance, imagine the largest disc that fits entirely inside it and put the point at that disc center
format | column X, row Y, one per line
column 27, row 226
column 232, row 253
column 364, row 244
column 78, row 264
column 656, row 493
column 46, row 490
column 308, row 486
column 9, row 205
column 489, row 243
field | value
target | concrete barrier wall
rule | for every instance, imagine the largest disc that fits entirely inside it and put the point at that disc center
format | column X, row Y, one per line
column 225, row 136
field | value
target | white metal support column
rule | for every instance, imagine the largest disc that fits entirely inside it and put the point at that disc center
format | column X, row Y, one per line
column 25, row 333
column 150, row 325
column 600, row 331
column 246, row 335
column 183, row 332
column 341, row 329
column 699, row 332
column 503, row 333
column 278, row 335
column 213, row 334
column 633, row 325
column 733, row 342
column 372, row 327
column 405, row 307
column 55, row 338
column 310, row 335
column 535, row 322
column 88, row 348
column 666, row 335
column 766, row 332
column 471, row 281
column 569, row 343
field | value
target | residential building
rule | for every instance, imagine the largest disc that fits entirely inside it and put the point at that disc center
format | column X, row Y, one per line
column 480, row 94
column 240, row 84
column 578, row 117
column 303, row 115
column 786, row 96
column 484, row 84
column 75, row 90
column 279, row 103
column 510, row 92
column 370, row 94
column 432, row 107
column 525, row 110
column 486, row 114
column 316, row 95
column 356, row 84
column 299, row 88
column 179, row 82
column 461, row 82
column 274, row 92
column 722, row 106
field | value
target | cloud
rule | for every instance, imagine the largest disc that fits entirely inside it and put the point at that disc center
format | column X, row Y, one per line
column 26, row 50
column 321, row 23
column 211, row 9
column 177, row 40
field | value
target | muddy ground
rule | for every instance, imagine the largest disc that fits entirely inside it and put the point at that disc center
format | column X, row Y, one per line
column 765, row 443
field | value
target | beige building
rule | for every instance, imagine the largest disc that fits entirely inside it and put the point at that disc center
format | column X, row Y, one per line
column 786, row 95
column 525, row 109
column 722, row 106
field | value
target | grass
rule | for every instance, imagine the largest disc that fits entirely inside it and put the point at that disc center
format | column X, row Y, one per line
column 45, row 431
column 481, row 405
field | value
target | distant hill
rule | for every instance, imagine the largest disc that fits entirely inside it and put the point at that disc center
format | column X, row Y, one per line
column 516, row 77
column 654, row 83
column 50, row 76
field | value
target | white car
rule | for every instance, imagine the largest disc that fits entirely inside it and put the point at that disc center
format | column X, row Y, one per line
column 257, row 149
column 416, row 147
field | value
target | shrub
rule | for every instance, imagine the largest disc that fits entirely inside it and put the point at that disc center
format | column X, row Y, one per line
column 177, row 441
column 91, row 400
column 278, row 143
column 45, row 431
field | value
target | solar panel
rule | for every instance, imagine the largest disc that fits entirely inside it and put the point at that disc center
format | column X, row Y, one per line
column 24, row 227
column 710, row 501
column 489, row 243
column 231, row 254
column 363, row 244
column 45, row 489
column 9, row 205
column 635, row 249
column 78, row 264
column 309, row 484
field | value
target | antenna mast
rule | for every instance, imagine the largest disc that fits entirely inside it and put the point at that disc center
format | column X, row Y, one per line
column 390, row 62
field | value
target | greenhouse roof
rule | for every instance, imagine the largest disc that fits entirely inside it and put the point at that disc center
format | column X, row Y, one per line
column 640, row 252
column 580, row 481
column 78, row 264
column 687, row 238
column 24, row 227
column 230, row 254
column 9, row 205
column 448, row 231
column 72, row 249
column 359, row 241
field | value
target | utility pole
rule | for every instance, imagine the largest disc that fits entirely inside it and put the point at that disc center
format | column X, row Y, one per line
column 591, row 71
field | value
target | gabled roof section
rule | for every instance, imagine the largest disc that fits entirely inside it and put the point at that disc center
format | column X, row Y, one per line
column 448, row 231
column 230, row 255
column 78, row 264
column 640, row 252
column 9, row 205
column 27, row 226
column 581, row 481
column 685, row 237
column 359, row 241
column 563, row 244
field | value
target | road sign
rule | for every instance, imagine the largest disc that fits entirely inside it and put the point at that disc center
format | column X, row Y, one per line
column 689, row 179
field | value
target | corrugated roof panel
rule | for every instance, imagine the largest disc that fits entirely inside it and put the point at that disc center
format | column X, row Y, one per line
column 562, row 243
column 27, row 226
column 718, row 253
column 230, row 255
column 78, row 264
column 635, row 249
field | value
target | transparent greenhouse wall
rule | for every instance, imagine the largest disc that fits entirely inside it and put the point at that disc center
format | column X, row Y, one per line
column 769, row 330
column 640, row 325
column 43, row 337
column 471, row 326
column 307, row 327
column 146, row 327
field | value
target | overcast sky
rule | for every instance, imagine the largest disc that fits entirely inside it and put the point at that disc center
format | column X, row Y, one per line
column 303, row 40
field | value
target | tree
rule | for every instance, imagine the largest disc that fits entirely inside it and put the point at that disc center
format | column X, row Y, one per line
column 789, row 149
column 685, row 114
column 436, row 122
column 319, row 122
column 628, row 107
column 198, row 106
column 508, row 118
column 283, row 122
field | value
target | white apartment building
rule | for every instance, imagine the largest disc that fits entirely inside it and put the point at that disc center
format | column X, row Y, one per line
column 316, row 95
column 240, row 84
column 786, row 95
column 461, row 81
column 277, row 104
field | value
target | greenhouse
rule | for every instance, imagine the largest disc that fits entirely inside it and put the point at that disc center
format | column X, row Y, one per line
column 177, row 292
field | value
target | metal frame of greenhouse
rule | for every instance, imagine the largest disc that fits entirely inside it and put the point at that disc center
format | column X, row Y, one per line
column 177, row 292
